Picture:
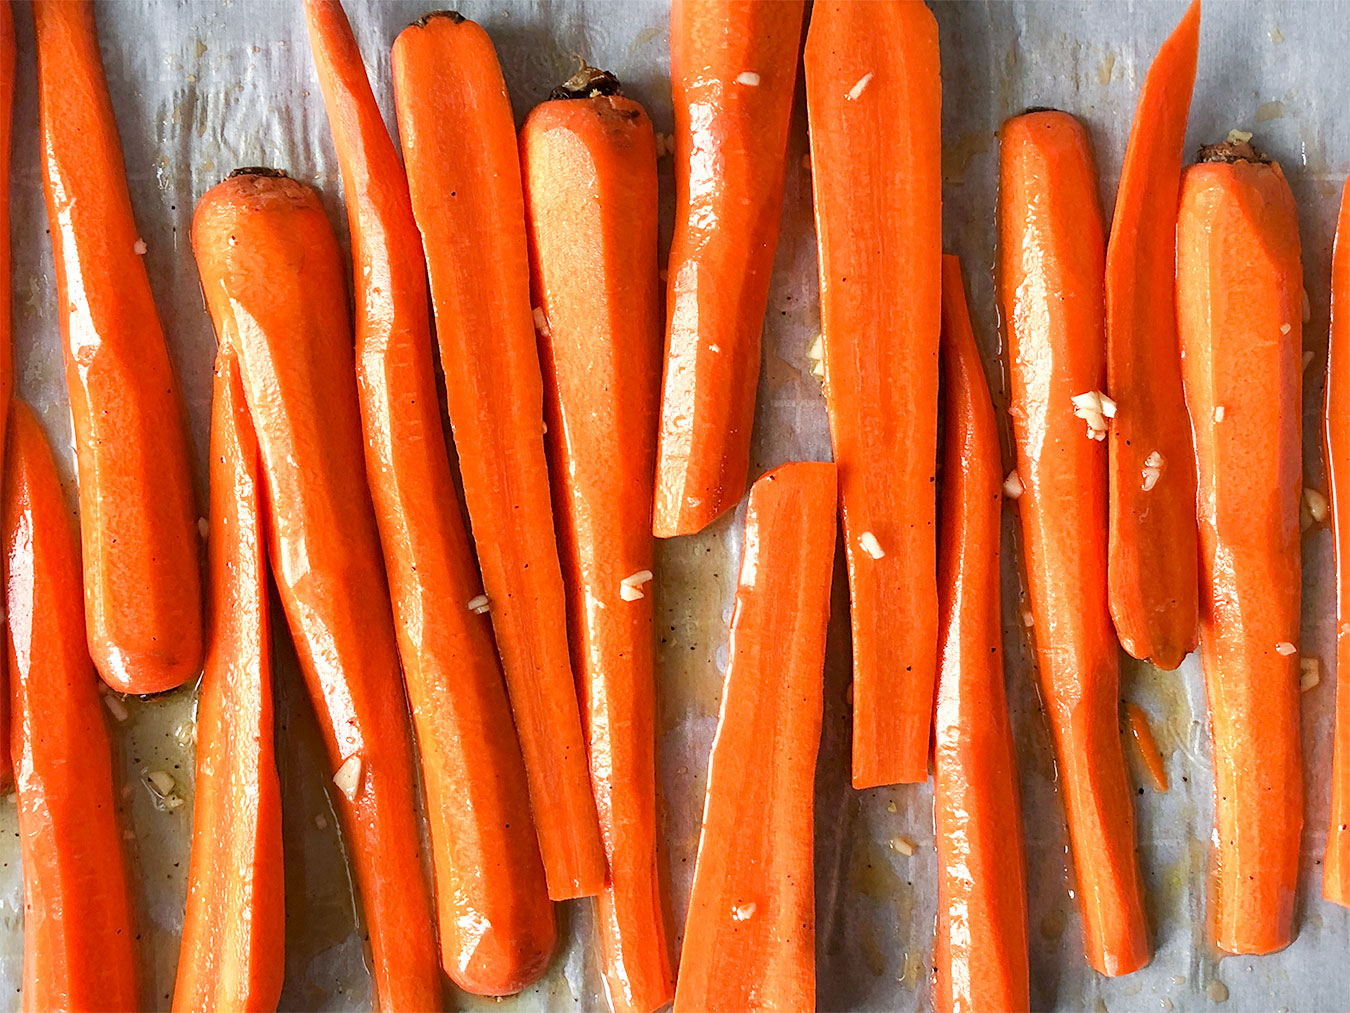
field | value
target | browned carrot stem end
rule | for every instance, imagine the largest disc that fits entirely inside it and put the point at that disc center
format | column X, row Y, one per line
column 1235, row 149
column 258, row 170
column 455, row 16
column 587, row 82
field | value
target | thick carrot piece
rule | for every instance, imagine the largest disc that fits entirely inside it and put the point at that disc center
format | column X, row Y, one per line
column 7, row 60
column 589, row 163
column 276, row 290
column 1051, row 253
column 142, row 585
column 496, row 921
column 980, row 960
column 1153, row 552
column 79, row 941
column 459, row 143
column 234, row 932
column 1239, row 317
column 749, row 941
column 733, row 71
column 874, row 98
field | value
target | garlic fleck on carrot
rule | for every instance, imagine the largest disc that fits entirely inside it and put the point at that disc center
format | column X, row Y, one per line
column 1153, row 466
column 115, row 706
column 478, row 604
column 1094, row 408
column 1218, row 413
column 1012, row 485
column 1285, row 648
column 162, row 789
column 1239, row 136
column 1316, row 505
column 348, row 777
column 742, row 912
column 1286, row 328
column 203, row 527
column 540, row 321
column 903, row 845
column 1309, row 673
column 630, row 588
column 1028, row 620
column 140, row 247
column 714, row 348
column 748, row 78
column 860, row 87
column 869, row 544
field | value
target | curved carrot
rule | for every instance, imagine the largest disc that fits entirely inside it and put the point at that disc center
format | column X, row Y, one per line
column 274, row 284
column 1147, row 745
column 1051, row 253
column 7, row 59
column 79, row 942
column 1153, row 569
column 496, row 920
column 459, row 143
column 874, row 97
column 981, row 948
column 589, row 165
column 142, row 587
column 749, row 941
column 733, row 70
column 1239, row 316
column 234, row 932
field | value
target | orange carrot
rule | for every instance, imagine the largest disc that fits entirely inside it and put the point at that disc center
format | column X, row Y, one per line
column 459, row 142
column 874, row 98
column 7, row 59
column 1149, row 753
column 733, row 70
column 142, row 588
column 1239, row 317
column 1051, row 254
column 749, row 941
column 496, row 921
column 79, row 942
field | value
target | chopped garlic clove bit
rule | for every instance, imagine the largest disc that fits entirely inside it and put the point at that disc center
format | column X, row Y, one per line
column 1092, row 407
column 541, row 321
column 1236, row 136
column 1153, row 468
column 860, row 87
column 1309, row 673
column 630, row 588
column 903, row 845
column 748, row 78
column 1012, row 485
column 1316, row 504
column 1285, row 648
column 1219, row 411
column 139, row 247
column 869, row 544
column 743, row 912
column 348, row 777
column 478, row 604
column 116, row 707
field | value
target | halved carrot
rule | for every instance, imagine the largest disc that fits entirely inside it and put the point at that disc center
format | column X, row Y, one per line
column 749, row 940
column 142, row 585
column 232, row 954
column 1149, row 754
column 1239, row 317
column 980, row 960
column 874, row 98
column 459, row 143
column 1153, row 550
column 79, row 942
column 496, row 920
column 7, row 59
column 274, row 284
column 733, row 71
column 589, row 165
column 1051, row 253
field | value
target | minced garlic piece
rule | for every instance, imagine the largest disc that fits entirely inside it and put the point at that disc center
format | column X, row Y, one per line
column 1094, row 408
column 860, row 87
column 1028, row 620
column 203, row 526
column 869, row 544
column 1012, row 485
column 630, row 588
column 1285, row 648
column 742, row 912
column 748, row 78
column 140, row 247
column 348, row 777
column 1153, row 466
column 1316, row 504
column 1219, row 412
column 903, row 845
column 116, row 707
column 478, row 604
column 540, row 321
column 1239, row 136
column 1309, row 673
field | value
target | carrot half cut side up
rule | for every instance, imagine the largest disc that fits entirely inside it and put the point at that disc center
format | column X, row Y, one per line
column 7, row 60
column 79, row 940
column 1239, row 316
column 980, row 959
column 733, row 71
column 1051, row 254
column 874, row 99
column 749, row 940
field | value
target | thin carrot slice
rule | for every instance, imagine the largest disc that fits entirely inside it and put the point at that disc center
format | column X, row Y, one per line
column 1239, row 317
column 981, row 946
column 496, row 921
column 733, row 71
column 459, row 143
column 1051, row 254
column 874, row 98
column 142, row 586
column 7, row 59
column 1147, row 745
column 274, row 284
column 589, row 165
column 749, row 941
column 79, row 942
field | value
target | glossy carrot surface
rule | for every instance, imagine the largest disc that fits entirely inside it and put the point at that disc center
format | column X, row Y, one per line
column 7, row 58
column 1149, row 754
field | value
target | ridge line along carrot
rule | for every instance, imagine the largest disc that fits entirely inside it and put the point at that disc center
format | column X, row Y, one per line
column 873, row 94
column 8, row 57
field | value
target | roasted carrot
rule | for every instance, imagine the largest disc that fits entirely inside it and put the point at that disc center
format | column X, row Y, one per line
column 459, row 143
column 1149, row 753
column 749, row 941
column 234, row 932
column 496, row 920
column 7, row 59
column 1239, row 317
column 79, row 942
column 589, row 164
column 276, row 290
column 1153, row 550
column 138, row 524
column 980, row 961
column 1051, row 253
column 874, row 100
column 733, row 72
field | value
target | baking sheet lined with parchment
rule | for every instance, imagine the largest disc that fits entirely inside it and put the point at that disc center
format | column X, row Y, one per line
column 203, row 86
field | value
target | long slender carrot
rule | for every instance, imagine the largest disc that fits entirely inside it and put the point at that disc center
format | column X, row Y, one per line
column 1051, row 253
column 874, row 99
column 1153, row 552
column 589, row 164
column 749, row 941
column 142, row 586
column 459, row 143
column 274, row 284
column 234, row 932
column 7, row 60
column 79, row 942
column 981, row 947
column 733, row 71
column 1239, row 317
column 496, row 920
